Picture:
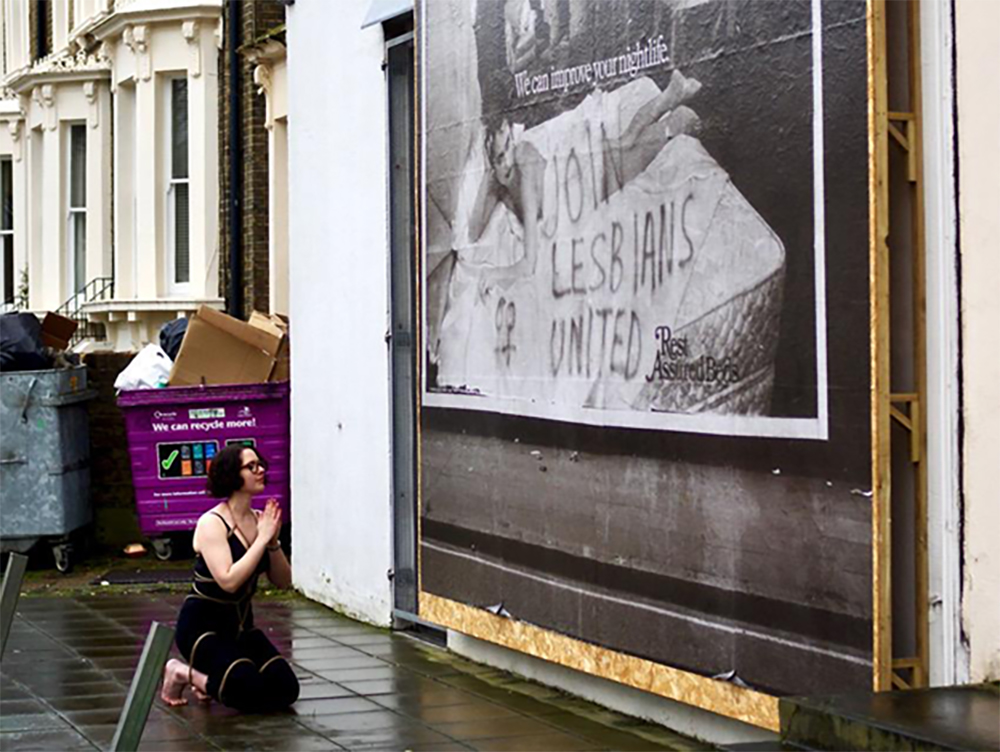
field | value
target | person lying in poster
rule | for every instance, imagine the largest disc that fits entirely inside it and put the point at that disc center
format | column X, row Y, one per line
column 604, row 260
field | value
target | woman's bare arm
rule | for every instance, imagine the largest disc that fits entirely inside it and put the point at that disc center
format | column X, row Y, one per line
column 211, row 542
column 487, row 197
column 279, row 569
column 527, row 205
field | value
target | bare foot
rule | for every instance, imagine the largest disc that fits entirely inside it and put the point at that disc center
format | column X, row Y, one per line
column 678, row 91
column 175, row 678
column 682, row 120
column 681, row 87
column 199, row 695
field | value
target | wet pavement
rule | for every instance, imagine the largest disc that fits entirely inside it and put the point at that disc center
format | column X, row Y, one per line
column 70, row 660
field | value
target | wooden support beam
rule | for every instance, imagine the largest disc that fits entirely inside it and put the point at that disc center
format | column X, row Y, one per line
column 916, row 433
column 880, row 342
column 900, row 138
column 902, row 418
column 12, row 580
column 915, row 168
column 912, row 154
column 143, row 689
column 911, row 422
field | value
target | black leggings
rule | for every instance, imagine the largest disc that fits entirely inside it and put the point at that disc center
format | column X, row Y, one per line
column 245, row 671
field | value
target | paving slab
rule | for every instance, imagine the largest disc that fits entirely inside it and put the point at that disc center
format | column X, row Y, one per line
column 942, row 718
column 46, row 741
column 71, row 660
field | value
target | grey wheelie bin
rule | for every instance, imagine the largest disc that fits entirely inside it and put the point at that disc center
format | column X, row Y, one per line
column 44, row 460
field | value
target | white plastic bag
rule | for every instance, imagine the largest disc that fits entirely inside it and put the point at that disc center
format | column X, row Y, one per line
column 148, row 370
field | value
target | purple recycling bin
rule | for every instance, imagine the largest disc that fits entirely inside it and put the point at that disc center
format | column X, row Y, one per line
column 174, row 433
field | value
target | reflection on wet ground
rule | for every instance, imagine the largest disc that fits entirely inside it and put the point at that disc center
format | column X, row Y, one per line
column 69, row 662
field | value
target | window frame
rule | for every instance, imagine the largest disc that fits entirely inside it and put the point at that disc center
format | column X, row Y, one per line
column 8, row 293
column 174, row 183
column 76, row 272
column 39, row 23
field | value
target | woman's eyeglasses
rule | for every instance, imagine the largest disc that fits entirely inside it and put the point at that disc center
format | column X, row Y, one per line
column 254, row 465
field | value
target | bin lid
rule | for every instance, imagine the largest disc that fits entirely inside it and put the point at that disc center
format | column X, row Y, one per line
column 173, row 395
column 49, row 384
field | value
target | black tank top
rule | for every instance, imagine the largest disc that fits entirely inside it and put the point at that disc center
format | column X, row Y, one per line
column 206, row 586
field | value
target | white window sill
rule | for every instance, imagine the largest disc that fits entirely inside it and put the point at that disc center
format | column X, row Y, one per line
column 133, row 309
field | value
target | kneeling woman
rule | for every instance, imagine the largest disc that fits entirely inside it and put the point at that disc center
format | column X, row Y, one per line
column 228, row 658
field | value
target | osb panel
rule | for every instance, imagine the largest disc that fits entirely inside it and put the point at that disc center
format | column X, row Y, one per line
column 718, row 697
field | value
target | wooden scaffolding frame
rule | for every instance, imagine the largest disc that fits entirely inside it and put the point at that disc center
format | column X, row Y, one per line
column 899, row 129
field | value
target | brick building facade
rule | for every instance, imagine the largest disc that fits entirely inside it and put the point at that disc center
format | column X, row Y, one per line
column 111, row 495
column 262, row 20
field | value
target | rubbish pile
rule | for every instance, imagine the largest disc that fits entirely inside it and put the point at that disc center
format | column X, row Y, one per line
column 212, row 348
column 27, row 344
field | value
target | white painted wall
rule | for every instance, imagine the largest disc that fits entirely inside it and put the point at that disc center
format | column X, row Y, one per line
column 977, row 39
column 339, row 294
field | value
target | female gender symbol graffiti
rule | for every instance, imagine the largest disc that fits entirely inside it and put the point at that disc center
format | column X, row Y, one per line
column 506, row 318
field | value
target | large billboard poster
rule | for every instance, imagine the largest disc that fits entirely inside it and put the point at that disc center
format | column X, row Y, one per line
column 645, row 378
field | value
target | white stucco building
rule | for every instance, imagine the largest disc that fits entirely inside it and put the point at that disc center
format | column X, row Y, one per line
column 114, row 215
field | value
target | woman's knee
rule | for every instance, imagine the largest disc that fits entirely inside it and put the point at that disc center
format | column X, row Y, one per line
column 281, row 680
column 248, row 687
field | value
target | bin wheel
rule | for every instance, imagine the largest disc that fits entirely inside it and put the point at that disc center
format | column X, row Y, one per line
column 63, row 555
column 163, row 548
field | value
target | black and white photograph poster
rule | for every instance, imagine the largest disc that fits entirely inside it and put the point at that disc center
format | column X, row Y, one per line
column 646, row 406
column 606, row 241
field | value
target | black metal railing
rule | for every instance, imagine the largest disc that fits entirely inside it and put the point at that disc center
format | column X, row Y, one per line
column 99, row 288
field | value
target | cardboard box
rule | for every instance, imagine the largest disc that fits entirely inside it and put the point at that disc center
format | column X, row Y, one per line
column 219, row 349
column 277, row 324
column 283, row 364
column 57, row 331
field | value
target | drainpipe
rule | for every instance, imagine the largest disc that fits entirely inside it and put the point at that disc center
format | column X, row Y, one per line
column 235, row 22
